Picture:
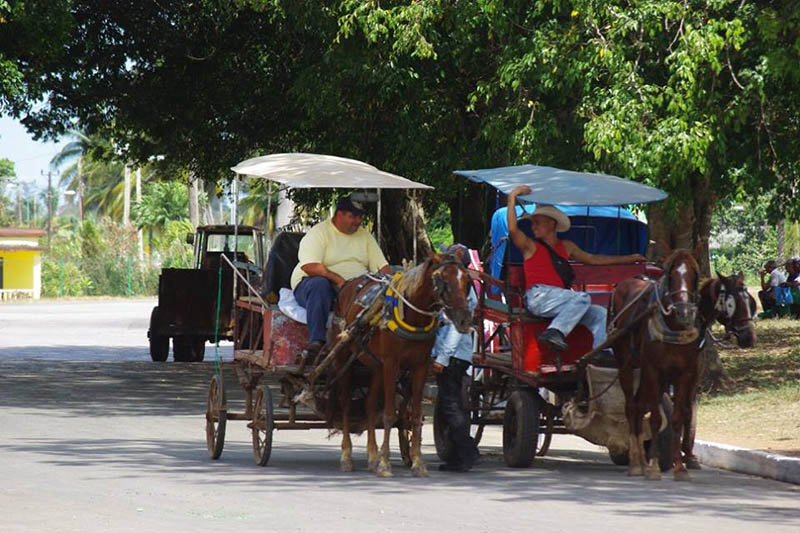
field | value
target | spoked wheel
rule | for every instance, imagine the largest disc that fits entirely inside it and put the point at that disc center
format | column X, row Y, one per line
column 544, row 438
column 216, row 418
column 262, row 426
column 520, row 429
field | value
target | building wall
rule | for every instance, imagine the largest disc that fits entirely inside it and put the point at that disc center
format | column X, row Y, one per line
column 22, row 270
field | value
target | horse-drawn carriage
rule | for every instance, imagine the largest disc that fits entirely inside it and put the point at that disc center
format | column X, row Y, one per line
column 532, row 392
column 269, row 337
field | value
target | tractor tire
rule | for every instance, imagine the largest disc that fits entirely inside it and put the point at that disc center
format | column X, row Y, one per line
column 159, row 344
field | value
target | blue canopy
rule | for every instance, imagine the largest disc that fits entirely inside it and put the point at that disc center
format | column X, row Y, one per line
column 597, row 230
column 555, row 186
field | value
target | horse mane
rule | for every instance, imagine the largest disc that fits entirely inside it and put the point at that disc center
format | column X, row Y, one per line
column 413, row 278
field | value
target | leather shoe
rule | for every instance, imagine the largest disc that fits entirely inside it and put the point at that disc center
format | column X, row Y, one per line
column 453, row 467
column 554, row 339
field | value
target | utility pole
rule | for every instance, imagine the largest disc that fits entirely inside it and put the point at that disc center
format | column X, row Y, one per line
column 80, row 189
column 49, row 206
column 19, row 204
column 126, row 205
column 140, row 236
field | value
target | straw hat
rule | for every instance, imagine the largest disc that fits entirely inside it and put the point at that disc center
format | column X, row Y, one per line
column 562, row 220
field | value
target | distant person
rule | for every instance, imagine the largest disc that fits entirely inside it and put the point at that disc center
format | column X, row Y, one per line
column 793, row 284
column 769, row 285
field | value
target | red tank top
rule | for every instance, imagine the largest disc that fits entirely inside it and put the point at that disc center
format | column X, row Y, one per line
column 539, row 268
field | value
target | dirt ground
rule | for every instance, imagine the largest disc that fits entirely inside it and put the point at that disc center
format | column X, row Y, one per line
column 760, row 406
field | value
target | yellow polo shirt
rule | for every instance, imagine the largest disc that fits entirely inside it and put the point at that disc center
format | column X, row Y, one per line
column 347, row 255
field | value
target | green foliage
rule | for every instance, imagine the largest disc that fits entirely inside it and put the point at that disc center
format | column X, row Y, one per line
column 744, row 237
column 438, row 229
column 175, row 252
column 61, row 277
column 162, row 201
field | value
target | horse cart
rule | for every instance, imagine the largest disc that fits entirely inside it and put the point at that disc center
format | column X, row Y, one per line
column 269, row 337
column 515, row 382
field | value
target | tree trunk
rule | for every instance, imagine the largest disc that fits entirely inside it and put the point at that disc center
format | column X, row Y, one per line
column 194, row 211
column 397, row 228
column 683, row 224
column 470, row 215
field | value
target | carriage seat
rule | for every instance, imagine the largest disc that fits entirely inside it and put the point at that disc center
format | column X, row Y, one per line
column 280, row 263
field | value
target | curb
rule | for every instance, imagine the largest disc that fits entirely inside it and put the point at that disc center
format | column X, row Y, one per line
column 756, row 463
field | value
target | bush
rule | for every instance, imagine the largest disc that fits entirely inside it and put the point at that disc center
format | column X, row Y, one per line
column 64, row 278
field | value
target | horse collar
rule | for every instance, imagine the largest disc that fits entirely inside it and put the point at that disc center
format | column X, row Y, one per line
column 395, row 315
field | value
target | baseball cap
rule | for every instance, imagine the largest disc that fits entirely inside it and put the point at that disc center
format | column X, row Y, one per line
column 346, row 203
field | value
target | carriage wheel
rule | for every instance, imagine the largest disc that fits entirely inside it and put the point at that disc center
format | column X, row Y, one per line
column 544, row 438
column 159, row 344
column 263, row 425
column 216, row 418
column 520, row 429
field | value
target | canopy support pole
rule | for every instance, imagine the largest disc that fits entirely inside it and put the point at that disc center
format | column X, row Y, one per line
column 267, row 231
column 414, row 219
column 235, row 222
column 379, row 217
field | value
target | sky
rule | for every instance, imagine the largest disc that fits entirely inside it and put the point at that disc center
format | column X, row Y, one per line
column 30, row 157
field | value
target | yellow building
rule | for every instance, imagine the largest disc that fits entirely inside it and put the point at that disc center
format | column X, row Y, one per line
column 20, row 263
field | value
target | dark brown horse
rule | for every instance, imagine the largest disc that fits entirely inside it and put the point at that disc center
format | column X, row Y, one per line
column 401, row 342
column 723, row 299
column 664, row 345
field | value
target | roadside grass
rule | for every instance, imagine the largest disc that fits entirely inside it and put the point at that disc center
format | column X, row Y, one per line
column 760, row 406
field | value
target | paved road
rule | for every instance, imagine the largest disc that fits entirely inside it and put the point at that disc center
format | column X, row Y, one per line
column 96, row 438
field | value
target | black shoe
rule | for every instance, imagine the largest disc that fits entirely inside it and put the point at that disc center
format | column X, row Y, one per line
column 311, row 351
column 454, row 467
column 554, row 339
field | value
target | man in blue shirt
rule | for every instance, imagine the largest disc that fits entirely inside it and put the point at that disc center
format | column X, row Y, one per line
column 452, row 353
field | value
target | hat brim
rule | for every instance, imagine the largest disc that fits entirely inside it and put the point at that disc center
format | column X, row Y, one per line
column 562, row 220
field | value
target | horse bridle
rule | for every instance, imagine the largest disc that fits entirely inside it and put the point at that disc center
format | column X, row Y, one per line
column 694, row 297
column 440, row 288
column 725, row 307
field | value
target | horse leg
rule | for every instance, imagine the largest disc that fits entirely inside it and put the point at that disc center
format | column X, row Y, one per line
column 372, row 413
column 652, row 397
column 418, row 468
column 681, row 415
column 634, row 460
column 689, row 434
column 390, row 374
column 346, row 460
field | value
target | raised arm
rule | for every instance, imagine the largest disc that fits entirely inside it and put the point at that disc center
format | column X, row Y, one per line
column 526, row 245
column 595, row 259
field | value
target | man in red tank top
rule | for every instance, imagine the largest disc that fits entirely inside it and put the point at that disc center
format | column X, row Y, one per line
column 545, row 294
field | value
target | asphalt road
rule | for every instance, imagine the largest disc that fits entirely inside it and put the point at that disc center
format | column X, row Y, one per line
column 95, row 437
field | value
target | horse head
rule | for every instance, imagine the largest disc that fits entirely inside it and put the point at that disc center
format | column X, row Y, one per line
column 735, row 308
column 680, row 286
column 451, row 280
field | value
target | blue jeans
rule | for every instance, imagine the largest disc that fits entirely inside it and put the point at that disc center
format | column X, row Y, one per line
column 567, row 309
column 316, row 294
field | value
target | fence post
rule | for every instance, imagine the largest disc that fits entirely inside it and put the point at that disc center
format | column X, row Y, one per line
column 130, row 274
column 60, row 277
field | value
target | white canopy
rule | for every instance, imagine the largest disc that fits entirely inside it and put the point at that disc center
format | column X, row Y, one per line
column 308, row 171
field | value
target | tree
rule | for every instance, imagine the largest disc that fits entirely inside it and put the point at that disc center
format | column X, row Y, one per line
column 697, row 97
column 7, row 215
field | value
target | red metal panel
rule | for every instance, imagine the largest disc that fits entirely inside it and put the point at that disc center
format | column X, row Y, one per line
column 534, row 356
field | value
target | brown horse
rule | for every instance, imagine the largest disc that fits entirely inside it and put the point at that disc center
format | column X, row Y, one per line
column 723, row 299
column 402, row 343
column 664, row 343
column 726, row 300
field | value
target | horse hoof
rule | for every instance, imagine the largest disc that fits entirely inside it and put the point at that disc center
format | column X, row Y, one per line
column 681, row 475
column 372, row 466
column 346, row 466
column 652, row 475
column 692, row 463
column 384, row 472
column 419, row 471
column 635, row 471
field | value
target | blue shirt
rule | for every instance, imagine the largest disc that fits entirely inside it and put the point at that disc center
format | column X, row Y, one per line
column 450, row 342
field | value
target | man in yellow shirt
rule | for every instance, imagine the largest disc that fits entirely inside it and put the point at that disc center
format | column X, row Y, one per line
column 332, row 252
